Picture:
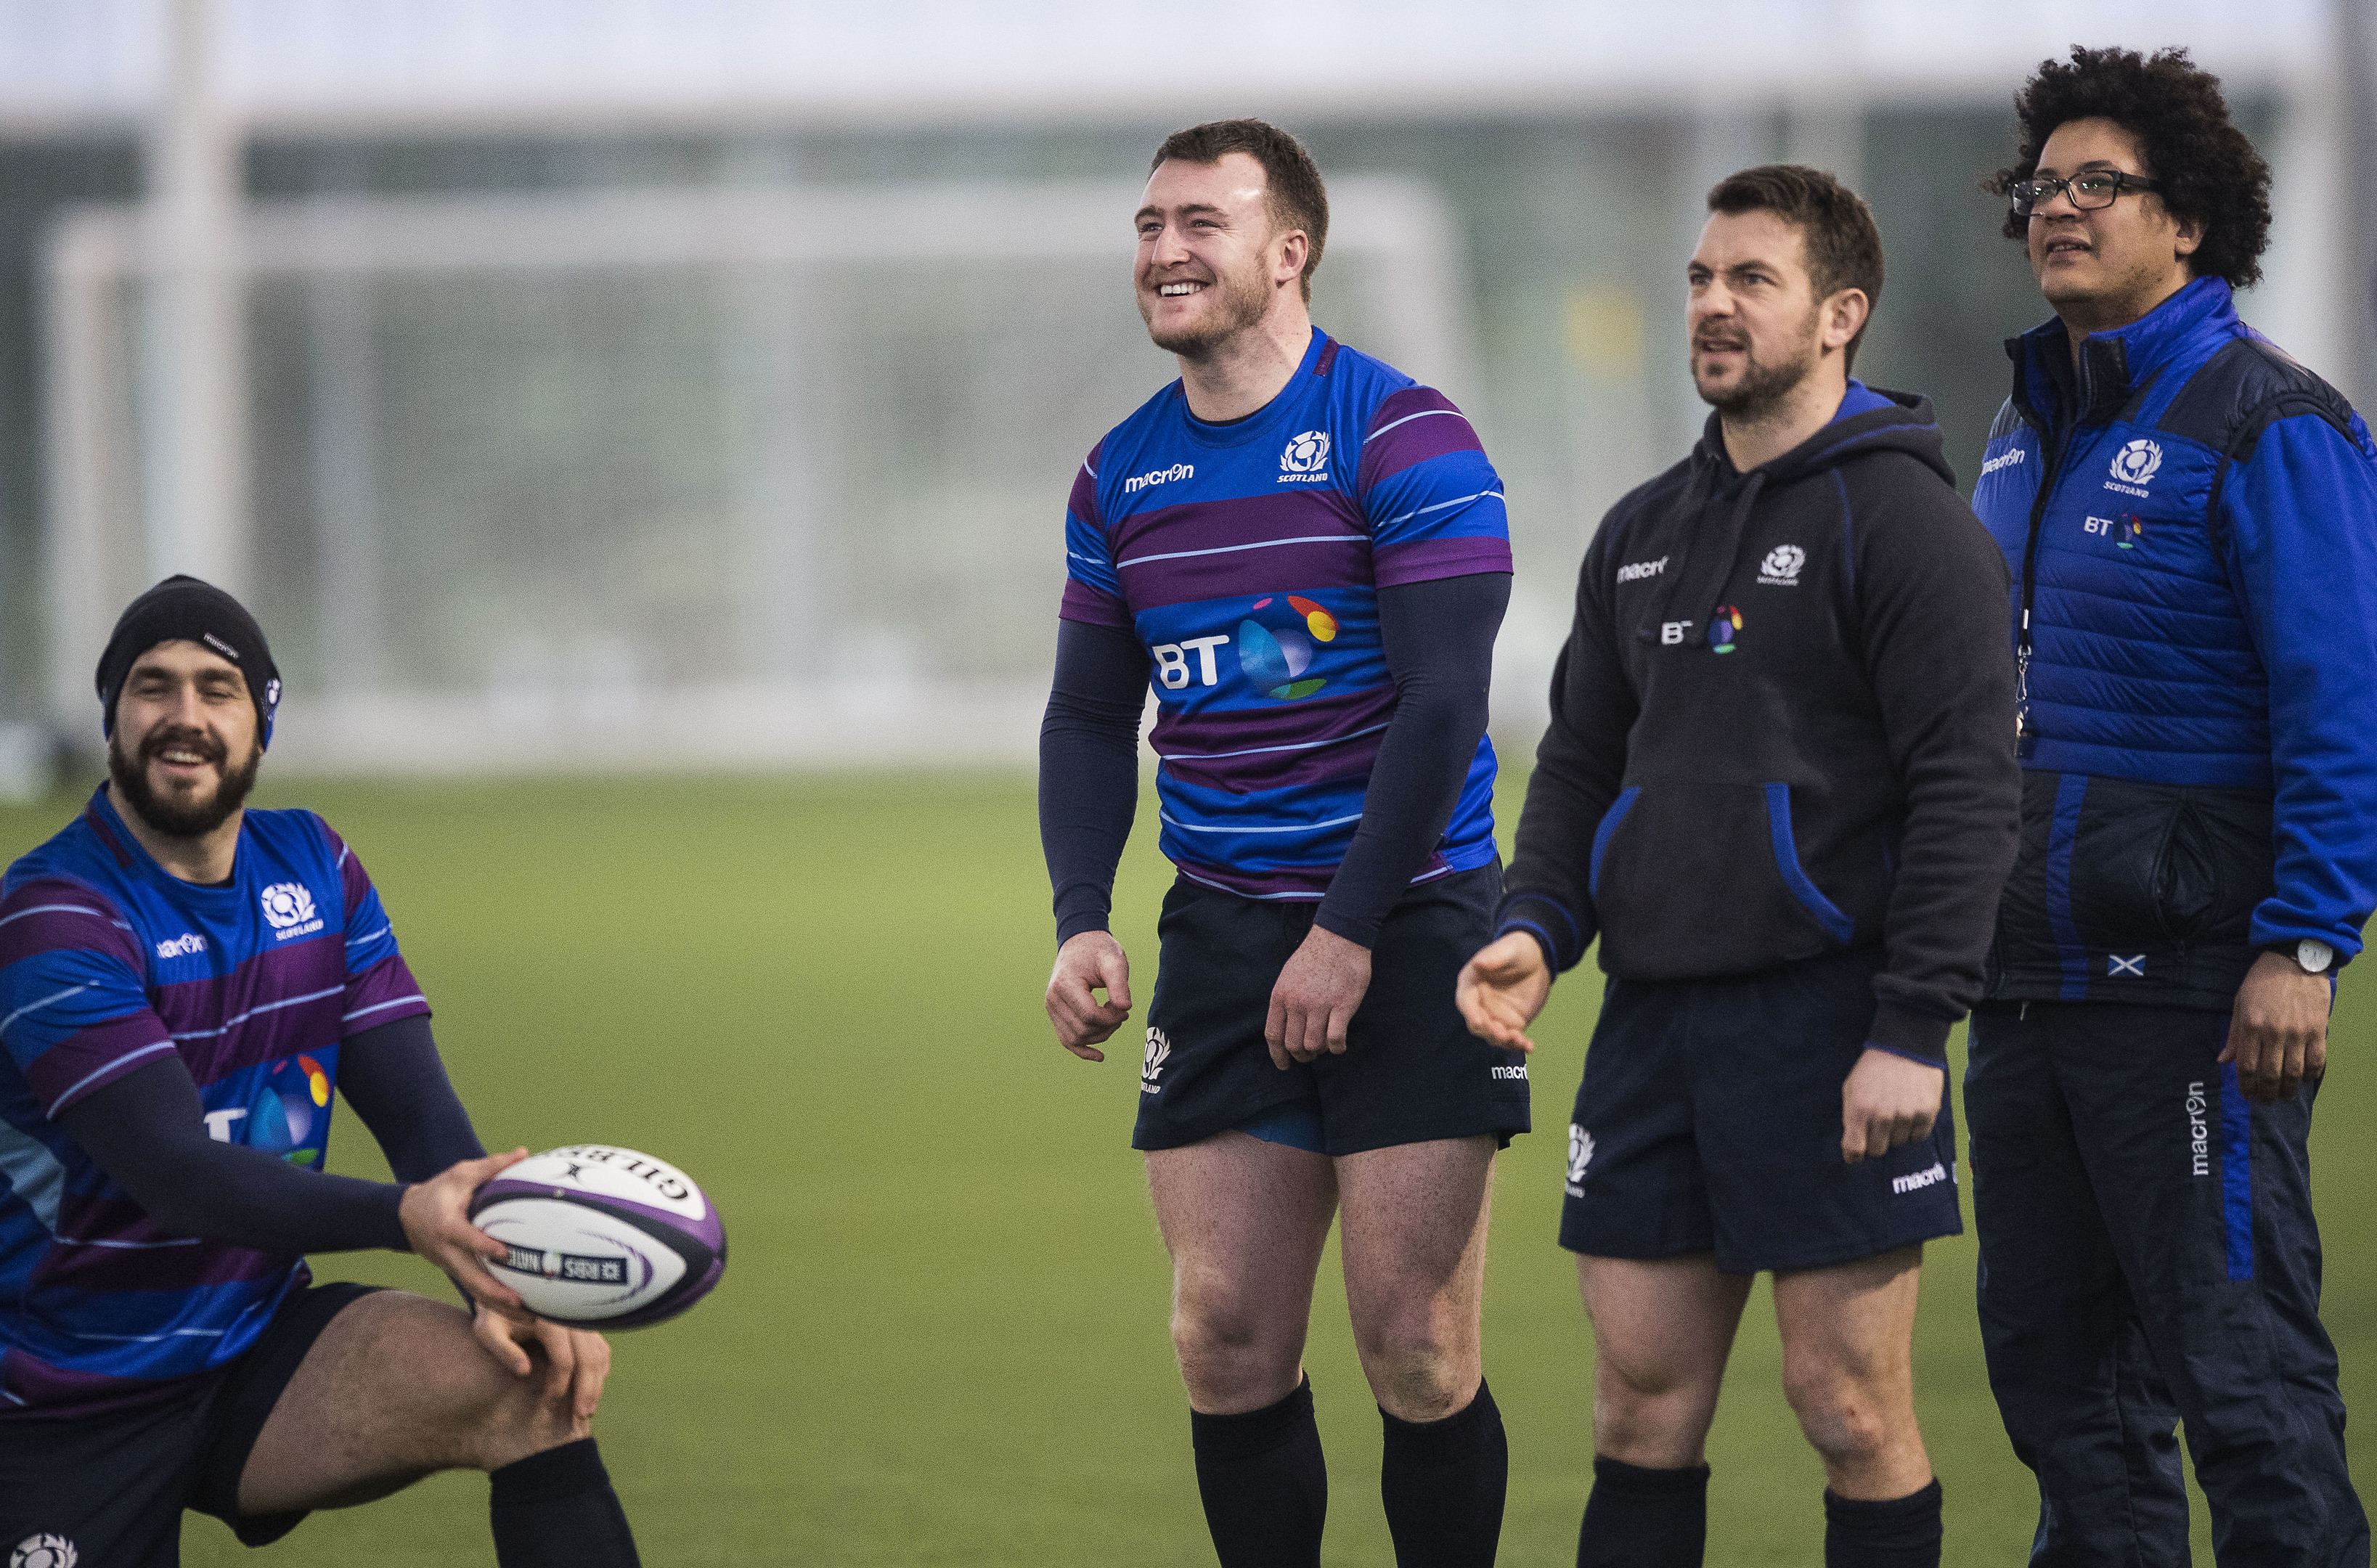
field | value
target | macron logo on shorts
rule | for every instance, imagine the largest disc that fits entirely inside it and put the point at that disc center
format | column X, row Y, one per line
column 1919, row 1179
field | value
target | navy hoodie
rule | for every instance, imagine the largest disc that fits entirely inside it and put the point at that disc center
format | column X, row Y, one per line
column 1784, row 726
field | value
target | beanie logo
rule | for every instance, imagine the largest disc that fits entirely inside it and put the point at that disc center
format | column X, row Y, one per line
column 219, row 646
column 272, row 692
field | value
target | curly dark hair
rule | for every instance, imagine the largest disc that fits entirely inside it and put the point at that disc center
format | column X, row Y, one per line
column 2209, row 173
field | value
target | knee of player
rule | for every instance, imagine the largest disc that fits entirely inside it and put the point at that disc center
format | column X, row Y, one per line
column 521, row 1420
column 1411, row 1350
column 1203, row 1330
column 1626, row 1384
column 1843, row 1420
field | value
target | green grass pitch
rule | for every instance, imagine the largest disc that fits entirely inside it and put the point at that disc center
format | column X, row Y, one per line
column 941, row 1335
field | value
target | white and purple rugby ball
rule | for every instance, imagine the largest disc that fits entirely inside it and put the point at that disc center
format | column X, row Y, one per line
column 602, row 1236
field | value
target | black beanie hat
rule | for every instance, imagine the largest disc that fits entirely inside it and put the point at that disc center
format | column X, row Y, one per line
column 184, row 607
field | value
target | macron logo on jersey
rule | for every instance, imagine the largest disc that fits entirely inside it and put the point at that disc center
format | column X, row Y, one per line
column 181, row 946
column 1641, row 570
column 1137, row 482
column 2004, row 459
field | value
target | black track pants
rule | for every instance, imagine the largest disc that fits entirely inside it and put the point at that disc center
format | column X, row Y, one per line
column 2148, row 1256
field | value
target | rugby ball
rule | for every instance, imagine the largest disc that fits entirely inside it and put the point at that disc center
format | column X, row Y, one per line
column 602, row 1236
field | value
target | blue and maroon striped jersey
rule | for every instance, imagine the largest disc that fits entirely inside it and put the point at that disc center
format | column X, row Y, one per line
column 1247, row 557
column 109, row 963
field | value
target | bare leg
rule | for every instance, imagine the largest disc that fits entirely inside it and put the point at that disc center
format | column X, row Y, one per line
column 1415, row 1233
column 1415, row 1243
column 396, row 1388
column 1848, row 1369
column 1663, row 1329
column 1244, row 1222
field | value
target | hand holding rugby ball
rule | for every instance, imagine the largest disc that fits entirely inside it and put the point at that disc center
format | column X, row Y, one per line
column 602, row 1236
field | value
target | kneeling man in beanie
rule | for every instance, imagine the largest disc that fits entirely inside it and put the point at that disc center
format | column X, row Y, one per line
column 182, row 982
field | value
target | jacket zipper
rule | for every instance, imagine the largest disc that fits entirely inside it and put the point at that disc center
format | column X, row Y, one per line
column 2025, row 737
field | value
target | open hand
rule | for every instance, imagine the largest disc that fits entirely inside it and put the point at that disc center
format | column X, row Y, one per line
column 1502, row 989
column 1319, row 987
column 1090, row 962
column 1887, row 1101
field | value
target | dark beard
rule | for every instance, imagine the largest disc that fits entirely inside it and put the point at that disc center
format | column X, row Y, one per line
column 1761, row 390
column 175, row 819
column 1763, row 386
column 1241, row 307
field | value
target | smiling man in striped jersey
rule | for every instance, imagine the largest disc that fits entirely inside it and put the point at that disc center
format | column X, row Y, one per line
column 1305, row 555
column 182, row 981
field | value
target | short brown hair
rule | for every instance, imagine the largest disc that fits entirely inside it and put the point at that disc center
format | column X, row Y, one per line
column 1837, row 227
column 1295, row 196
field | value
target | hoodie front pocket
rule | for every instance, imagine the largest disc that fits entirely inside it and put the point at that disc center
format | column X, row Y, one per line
column 1610, row 821
column 1827, row 913
column 1692, row 878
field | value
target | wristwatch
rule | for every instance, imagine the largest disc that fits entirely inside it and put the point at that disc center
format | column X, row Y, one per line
column 2311, row 952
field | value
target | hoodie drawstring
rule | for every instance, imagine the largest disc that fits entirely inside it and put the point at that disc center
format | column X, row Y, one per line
column 1707, row 567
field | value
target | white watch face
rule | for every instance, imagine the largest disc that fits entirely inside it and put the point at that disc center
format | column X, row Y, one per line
column 2313, row 954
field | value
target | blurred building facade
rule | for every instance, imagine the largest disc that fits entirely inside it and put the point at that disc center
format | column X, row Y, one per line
column 764, row 459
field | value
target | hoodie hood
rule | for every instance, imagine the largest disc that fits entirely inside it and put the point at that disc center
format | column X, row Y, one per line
column 1905, row 423
column 1724, row 498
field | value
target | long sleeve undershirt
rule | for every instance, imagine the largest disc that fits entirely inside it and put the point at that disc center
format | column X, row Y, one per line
column 147, row 1131
column 1438, row 639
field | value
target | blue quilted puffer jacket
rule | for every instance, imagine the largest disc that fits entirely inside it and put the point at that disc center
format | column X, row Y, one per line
column 2189, row 518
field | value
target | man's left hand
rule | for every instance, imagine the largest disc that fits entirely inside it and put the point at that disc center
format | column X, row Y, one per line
column 1315, row 999
column 577, row 1360
column 2277, row 1035
column 1887, row 1101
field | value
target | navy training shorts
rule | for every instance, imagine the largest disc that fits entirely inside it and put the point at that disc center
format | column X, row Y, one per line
column 1709, row 1121
column 1411, row 1071
column 112, row 1487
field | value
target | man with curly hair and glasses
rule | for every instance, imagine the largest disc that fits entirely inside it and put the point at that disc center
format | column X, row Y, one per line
column 2191, row 521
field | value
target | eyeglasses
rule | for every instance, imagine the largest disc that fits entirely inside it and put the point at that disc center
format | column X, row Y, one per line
column 2090, row 192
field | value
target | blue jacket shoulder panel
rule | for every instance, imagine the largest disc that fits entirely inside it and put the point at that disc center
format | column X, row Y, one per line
column 2248, row 385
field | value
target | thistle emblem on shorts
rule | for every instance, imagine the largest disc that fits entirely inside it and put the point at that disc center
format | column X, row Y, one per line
column 43, row 1552
column 1158, row 1048
column 1580, row 1153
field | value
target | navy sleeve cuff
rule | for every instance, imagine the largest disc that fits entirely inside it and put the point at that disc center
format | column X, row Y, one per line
column 1562, row 936
column 1073, row 925
column 1902, row 1031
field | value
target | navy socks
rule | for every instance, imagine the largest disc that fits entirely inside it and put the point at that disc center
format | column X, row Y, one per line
column 556, row 1510
column 1638, row 1518
column 1263, row 1482
column 1443, row 1483
column 1899, row 1532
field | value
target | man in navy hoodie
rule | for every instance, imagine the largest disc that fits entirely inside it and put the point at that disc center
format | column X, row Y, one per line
column 2189, row 518
column 1779, row 781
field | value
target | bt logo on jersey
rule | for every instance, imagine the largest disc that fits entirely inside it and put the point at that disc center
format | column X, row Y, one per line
column 1274, row 646
column 1172, row 660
